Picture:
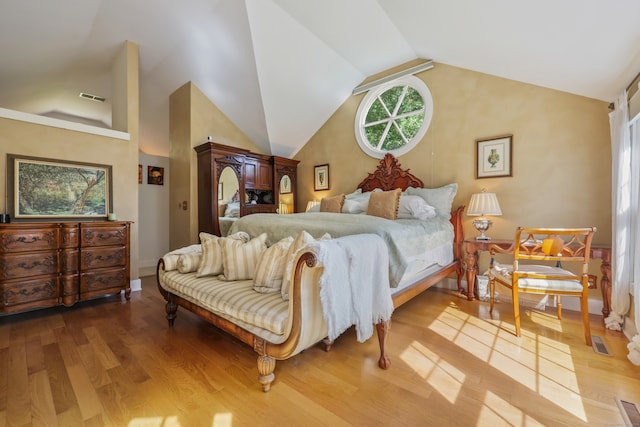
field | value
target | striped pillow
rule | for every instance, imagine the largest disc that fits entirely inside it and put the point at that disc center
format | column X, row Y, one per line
column 211, row 259
column 188, row 262
column 270, row 269
column 239, row 259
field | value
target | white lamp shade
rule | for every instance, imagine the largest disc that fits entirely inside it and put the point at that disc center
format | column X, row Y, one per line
column 482, row 204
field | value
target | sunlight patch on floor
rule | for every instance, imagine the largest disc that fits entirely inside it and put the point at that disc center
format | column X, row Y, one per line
column 155, row 422
column 497, row 411
column 541, row 364
column 546, row 320
column 438, row 373
column 219, row 420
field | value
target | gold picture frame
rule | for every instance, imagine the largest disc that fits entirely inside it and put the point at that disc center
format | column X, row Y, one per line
column 494, row 157
column 321, row 177
column 51, row 188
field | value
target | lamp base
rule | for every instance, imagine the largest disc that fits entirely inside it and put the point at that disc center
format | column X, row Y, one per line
column 482, row 225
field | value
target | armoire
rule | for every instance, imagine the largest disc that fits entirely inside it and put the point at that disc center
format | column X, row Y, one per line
column 258, row 183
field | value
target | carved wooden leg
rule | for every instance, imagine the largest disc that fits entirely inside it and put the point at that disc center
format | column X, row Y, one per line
column 472, row 270
column 382, row 328
column 266, row 366
column 127, row 293
column 326, row 344
column 171, row 309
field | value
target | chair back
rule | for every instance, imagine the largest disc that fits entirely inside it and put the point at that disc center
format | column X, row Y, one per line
column 553, row 244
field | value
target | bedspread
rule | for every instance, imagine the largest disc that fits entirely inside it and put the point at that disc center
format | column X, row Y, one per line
column 407, row 240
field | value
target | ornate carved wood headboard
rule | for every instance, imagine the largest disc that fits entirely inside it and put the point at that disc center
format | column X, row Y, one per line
column 388, row 176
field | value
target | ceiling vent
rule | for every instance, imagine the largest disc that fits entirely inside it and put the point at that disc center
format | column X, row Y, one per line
column 92, row 97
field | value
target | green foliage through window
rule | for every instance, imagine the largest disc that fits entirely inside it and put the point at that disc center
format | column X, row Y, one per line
column 394, row 118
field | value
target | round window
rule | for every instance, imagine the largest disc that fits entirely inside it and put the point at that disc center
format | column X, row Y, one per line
column 393, row 117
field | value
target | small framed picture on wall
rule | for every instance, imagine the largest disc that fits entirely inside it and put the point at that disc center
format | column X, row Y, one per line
column 321, row 177
column 155, row 175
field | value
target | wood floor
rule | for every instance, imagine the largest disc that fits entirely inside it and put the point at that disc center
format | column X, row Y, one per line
column 117, row 363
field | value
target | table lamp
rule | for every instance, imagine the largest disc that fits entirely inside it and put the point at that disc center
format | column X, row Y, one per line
column 482, row 204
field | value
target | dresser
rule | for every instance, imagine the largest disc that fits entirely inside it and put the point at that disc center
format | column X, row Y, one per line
column 60, row 263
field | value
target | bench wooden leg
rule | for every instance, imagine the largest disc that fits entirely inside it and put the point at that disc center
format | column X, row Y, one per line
column 171, row 308
column 266, row 366
column 382, row 328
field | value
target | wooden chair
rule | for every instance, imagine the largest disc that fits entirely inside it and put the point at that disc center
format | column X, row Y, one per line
column 538, row 254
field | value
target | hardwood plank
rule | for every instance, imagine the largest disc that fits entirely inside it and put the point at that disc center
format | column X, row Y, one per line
column 43, row 411
column 64, row 398
column 18, row 391
column 85, row 393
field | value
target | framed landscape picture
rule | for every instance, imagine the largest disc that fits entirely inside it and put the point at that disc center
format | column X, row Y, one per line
column 49, row 188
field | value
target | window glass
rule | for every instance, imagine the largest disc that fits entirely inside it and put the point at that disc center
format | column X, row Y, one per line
column 394, row 117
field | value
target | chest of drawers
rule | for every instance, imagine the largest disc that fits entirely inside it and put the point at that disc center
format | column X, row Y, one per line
column 49, row 264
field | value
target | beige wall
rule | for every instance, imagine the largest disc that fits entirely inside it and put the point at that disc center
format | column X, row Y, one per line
column 38, row 140
column 193, row 117
column 561, row 152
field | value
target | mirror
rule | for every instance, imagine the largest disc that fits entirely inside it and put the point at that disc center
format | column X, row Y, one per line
column 285, row 196
column 228, row 199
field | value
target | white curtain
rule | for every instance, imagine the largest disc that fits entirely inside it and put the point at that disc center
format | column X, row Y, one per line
column 626, row 222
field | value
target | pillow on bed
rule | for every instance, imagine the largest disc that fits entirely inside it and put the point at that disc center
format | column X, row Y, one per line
column 188, row 263
column 239, row 258
column 302, row 240
column 233, row 210
column 356, row 203
column 353, row 195
column 211, row 258
column 270, row 269
column 440, row 198
column 332, row 204
column 384, row 203
column 414, row 207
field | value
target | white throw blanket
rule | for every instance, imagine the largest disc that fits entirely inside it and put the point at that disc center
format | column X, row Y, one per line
column 354, row 286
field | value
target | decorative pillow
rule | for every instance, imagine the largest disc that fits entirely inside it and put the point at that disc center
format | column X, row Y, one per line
column 332, row 204
column 384, row 204
column 314, row 208
column 239, row 258
column 188, row 263
column 233, row 210
column 353, row 195
column 440, row 198
column 171, row 259
column 222, row 209
column 414, row 207
column 355, row 206
column 270, row 269
column 302, row 240
column 211, row 258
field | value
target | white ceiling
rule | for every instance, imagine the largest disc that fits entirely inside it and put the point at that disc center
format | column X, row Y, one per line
column 279, row 68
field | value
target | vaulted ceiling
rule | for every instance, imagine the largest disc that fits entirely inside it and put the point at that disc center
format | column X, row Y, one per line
column 279, row 68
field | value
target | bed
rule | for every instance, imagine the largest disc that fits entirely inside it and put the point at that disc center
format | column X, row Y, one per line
column 421, row 252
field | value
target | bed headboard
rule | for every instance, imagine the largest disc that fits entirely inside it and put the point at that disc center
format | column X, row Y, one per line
column 388, row 176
